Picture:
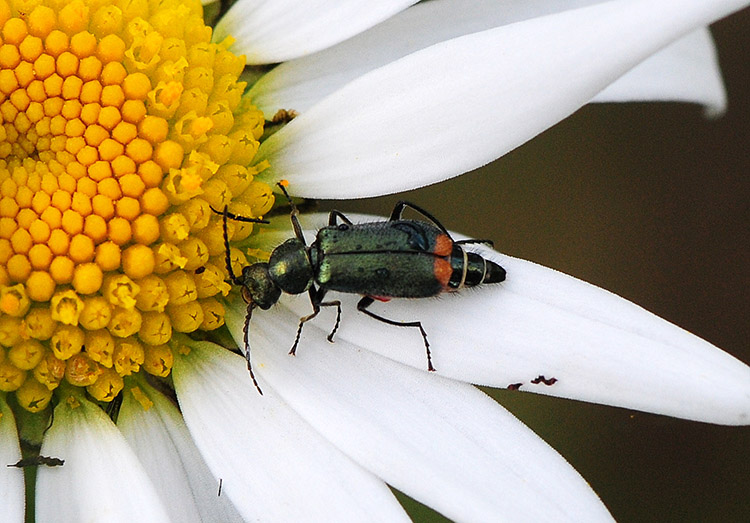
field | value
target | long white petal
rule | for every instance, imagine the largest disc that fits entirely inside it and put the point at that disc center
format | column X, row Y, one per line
column 685, row 71
column 444, row 443
column 272, row 464
column 163, row 444
column 269, row 31
column 539, row 322
column 11, row 478
column 101, row 480
column 460, row 104
column 299, row 84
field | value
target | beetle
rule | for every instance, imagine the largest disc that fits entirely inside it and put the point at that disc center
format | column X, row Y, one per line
column 397, row 258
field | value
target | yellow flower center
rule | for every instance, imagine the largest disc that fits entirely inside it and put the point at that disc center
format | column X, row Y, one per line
column 121, row 125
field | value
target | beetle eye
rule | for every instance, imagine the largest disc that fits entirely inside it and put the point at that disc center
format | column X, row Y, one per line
column 343, row 227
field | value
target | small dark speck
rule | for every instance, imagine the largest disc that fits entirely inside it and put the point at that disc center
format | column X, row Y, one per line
column 514, row 386
column 200, row 270
column 542, row 379
column 35, row 461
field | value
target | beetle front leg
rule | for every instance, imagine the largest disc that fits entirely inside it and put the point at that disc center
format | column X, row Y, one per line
column 367, row 301
column 316, row 297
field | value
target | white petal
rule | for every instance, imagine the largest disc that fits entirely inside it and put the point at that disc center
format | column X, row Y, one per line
column 269, row 31
column 163, row 444
column 539, row 322
column 299, row 84
column 11, row 478
column 444, row 443
column 460, row 104
column 101, row 480
column 686, row 70
column 273, row 465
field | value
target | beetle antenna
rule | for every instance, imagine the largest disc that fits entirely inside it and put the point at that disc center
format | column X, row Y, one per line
column 227, row 254
column 238, row 217
column 245, row 331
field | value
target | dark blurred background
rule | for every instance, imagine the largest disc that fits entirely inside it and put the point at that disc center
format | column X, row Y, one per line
column 650, row 201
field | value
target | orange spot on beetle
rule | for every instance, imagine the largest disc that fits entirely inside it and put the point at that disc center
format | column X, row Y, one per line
column 443, row 272
column 443, row 245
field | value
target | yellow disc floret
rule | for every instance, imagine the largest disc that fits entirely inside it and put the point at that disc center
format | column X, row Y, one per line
column 121, row 126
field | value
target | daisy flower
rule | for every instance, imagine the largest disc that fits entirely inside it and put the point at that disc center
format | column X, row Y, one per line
column 125, row 123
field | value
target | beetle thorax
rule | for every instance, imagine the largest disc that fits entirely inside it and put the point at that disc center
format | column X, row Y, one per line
column 290, row 267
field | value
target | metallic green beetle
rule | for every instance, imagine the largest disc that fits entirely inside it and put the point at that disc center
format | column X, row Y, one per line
column 379, row 260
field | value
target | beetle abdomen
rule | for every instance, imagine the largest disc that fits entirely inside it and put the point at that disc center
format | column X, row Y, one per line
column 471, row 269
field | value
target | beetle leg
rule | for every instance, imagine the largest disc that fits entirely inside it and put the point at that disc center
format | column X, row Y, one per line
column 315, row 298
column 316, row 295
column 337, row 304
column 398, row 210
column 475, row 240
column 294, row 215
column 337, row 214
column 245, row 331
column 366, row 301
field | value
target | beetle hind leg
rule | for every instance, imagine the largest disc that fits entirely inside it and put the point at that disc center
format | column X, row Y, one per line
column 366, row 301
column 334, row 217
column 398, row 211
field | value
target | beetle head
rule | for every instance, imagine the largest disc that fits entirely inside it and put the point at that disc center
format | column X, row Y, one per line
column 258, row 287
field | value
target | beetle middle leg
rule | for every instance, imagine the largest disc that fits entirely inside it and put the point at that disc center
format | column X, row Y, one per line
column 366, row 301
column 316, row 299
